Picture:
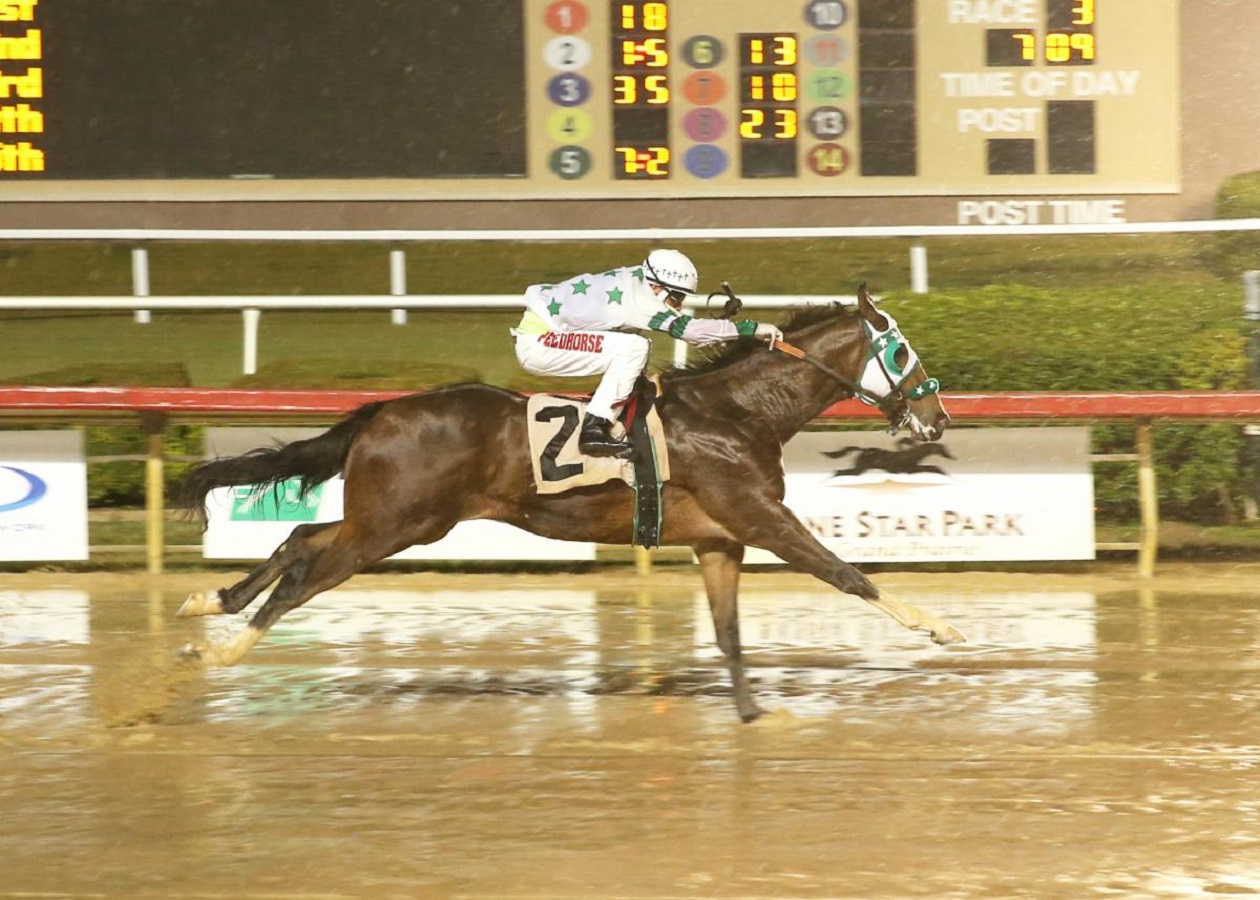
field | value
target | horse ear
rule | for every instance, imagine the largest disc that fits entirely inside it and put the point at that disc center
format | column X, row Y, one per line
column 866, row 306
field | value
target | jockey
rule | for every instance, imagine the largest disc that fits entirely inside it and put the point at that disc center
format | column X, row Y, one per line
column 581, row 327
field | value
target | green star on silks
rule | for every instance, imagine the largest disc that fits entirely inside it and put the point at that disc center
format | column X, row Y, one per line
column 637, row 273
column 554, row 307
column 580, row 287
column 614, row 296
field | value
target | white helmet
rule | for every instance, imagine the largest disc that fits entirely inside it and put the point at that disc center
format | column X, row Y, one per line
column 672, row 271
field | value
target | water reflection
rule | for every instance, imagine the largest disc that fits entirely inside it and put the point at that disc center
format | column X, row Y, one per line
column 1037, row 662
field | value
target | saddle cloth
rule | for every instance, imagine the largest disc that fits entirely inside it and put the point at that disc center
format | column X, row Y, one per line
column 553, row 423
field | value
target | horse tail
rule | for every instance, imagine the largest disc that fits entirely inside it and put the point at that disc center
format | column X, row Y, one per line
column 312, row 461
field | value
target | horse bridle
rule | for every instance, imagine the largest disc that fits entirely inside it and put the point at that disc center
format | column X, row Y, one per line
column 895, row 405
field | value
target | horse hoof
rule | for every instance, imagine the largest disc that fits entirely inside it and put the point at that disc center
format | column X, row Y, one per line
column 203, row 656
column 751, row 715
column 948, row 635
column 199, row 604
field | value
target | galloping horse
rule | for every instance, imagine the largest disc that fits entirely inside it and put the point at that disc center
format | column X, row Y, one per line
column 417, row 465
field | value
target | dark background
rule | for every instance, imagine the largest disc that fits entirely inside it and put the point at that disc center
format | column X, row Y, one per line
column 286, row 88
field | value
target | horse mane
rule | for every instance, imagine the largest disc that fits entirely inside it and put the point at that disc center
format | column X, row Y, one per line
column 799, row 318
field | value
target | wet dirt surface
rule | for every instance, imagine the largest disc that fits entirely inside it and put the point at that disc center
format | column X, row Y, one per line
column 573, row 737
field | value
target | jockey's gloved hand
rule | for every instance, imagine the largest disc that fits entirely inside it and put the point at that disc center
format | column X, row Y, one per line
column 769, row 333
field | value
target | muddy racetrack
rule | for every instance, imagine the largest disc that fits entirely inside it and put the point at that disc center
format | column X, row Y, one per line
column 431, row 735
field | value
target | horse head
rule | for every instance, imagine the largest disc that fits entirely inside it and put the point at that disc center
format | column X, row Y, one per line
column 893, row 378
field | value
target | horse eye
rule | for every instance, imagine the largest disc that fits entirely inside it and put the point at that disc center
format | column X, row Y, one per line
column 901, row 356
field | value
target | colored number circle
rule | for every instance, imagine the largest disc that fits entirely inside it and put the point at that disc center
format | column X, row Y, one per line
column 704, row 88
column 703, row 51
column 569, row 162
column 569, row 126
column 566, row 16
column 828, row 86
column 704, row 125
column 828, row 122
column 827, row 50
column 827, row 15
column 568, row 89
column 567, row 53
column 828, row 160
column 705, row 161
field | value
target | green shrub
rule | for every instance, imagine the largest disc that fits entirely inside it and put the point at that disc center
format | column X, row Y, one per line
column 1235, row 252
column 1013, row 338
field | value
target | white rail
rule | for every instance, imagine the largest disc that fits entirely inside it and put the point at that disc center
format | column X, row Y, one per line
column 399, row 300
column 251, row 308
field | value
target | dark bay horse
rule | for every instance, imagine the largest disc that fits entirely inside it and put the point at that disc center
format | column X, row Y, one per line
column 417, row 465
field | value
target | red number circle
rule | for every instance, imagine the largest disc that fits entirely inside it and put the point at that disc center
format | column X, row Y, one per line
column 566, row 16
column 828, row 160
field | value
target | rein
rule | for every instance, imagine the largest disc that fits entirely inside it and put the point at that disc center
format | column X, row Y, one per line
column 885, row 404
column 858, row 390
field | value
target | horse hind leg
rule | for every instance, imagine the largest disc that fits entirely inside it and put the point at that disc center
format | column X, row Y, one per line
column 301, row 543
column 327, row 566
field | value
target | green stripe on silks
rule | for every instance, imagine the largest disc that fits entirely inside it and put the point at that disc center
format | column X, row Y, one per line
column 659, row 319
column 678, row 326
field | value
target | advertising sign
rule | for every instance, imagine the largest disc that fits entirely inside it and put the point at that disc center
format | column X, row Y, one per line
column 249, row 524
column 43, row 496
column 978, row 494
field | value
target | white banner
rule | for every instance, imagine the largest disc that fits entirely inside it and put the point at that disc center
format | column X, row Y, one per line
column 248, row 525
column 43, row 496
column 978, row 494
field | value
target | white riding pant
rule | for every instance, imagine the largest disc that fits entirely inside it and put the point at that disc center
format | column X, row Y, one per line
column 618, row 356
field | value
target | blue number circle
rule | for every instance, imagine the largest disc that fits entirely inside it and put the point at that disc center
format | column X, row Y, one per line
column 569, row 89
column 705, row 161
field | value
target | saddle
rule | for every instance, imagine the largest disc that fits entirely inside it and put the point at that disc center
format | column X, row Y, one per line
column 553, row 421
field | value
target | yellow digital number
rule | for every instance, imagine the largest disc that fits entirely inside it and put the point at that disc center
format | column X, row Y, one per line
column 1083, row 43
column 658, row 165
column 787, row 124
column 625, row 90
column 655, row 16
column 656, row 53
column 756, row 52
column 751, row 122
column 629, row 159
column 1061, row 47
column 1027, row 45
column 1084, row 13
column 658, row 88
column 785, row 50
column 784, row 87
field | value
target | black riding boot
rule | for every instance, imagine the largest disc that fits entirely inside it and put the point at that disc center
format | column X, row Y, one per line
column 595, row 439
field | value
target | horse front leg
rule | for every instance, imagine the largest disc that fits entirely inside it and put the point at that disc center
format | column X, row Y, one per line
column 719, row 565
column 775, row 528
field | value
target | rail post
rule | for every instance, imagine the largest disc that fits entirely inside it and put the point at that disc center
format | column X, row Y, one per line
column 1148, row 502
column 1251, row 446
column 398, row 283
column 918, row 268
column 154, row 492
column 140, row 281
column 250, row 319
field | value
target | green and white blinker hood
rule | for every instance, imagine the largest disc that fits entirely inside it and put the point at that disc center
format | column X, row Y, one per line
column 889, row 361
